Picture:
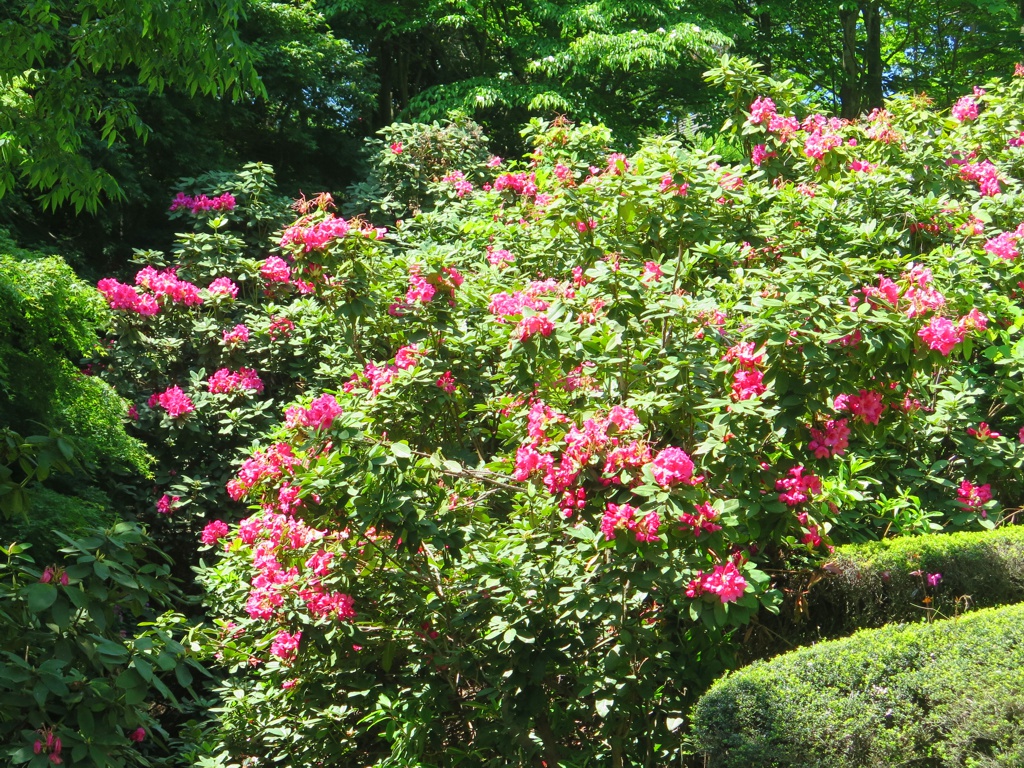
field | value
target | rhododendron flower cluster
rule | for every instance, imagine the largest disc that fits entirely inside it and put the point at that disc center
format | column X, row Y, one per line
column 275, row 270
column 237, row 335
column 985, row 174
column 942, row 335
column 166, row 504
column 224, row 286
column 965, row 109
column 983, row 432
column 748, row 380
column 531, row 325
column 797, row 487
column 498, row 257
column 672, row 466
column 214, row 531
column 831, row 441
column 1005, row 245
column 320, row 414
column 125, row 297
column 866, row 405
column 174, row 401
column 705, row 521
column 167, row 284
column 262, row 465
column 285, row 645
column 225, row 202
column 622, row 517
column 459, row 182
column 974, row 496
column 725, row 582
column 521, row 183
column 226, row 381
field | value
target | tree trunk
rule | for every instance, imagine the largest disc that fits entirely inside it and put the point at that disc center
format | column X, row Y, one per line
column 849, row 91
column 872, row 14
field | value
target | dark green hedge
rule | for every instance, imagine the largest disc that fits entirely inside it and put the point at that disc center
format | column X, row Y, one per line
column 871, row 585
column 922, row 696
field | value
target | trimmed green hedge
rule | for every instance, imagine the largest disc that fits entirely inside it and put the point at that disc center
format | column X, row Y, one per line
column 871, row 585
column 924, row 696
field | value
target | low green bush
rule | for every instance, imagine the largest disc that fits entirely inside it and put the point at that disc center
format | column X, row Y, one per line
column 883, row 582
column 934, row 695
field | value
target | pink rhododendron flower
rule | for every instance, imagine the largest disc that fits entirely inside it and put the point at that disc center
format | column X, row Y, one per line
column 320, row 414
column 617, row 164
column 985, row 174
column 705, row 521
column 532, row 325
column 812, row 538
column 406, row 357
column 226, row 381
column 940, row 334
column 459, row 182
column 166, row 504
column 225, row 202
column 965, row 109
column 759, row 154
column 797, row 487
column 419, row 289
column 747, row 384
column 746, row 354
column 1004, row 246
column 832, row 441
column 672, row 466
column 275, row 270
column 224, row 286
column 214, row 532
column 652, row 272
column 174, row 401
column 617, row 517
column 237, row 335
column 285, row 645
column 499, row 257
column 725, row 582
column 447, row 382
column 762, row 110
column 396, row 147
column 974, row 496
column 862, row 166
column 865, row 405
column 529, row 461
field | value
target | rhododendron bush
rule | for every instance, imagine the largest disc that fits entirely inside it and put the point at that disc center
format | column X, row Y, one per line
column 552, row 442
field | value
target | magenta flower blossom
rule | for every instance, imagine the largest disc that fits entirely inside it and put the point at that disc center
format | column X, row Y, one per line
column 673, row 466
column 797, row 487
column 174, row 401
column 965, row 109
column 286, row 645
column 940, row 334
column 224, row 286
column 725, row 582
column 214, row 532
column 275, row 270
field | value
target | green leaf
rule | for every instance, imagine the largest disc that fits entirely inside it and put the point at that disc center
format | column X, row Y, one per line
column 39, row 596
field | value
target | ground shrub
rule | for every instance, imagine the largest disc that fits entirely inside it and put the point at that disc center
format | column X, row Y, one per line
column 940, row 694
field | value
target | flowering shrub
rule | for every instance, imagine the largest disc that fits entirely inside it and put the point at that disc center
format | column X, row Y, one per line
column 212, row 342
column 552, row 438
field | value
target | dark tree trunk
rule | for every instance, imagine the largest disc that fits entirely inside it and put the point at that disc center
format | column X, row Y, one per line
column 872, row 15
column 849, row 91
